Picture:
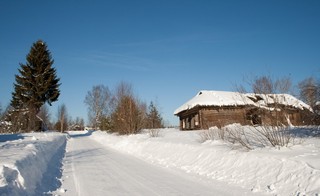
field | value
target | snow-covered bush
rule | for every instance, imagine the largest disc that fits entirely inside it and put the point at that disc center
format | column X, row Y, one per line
column 275, row 135
column 251, row 137
column 154, row 132
column 212, row 133
column 237, row 136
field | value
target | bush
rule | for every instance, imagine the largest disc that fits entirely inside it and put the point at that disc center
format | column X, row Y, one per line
column 259, row 136
column 154, row 132
column 211, row 134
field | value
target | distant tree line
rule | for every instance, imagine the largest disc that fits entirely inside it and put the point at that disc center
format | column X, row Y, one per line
column 121, row 110
column 65, row 122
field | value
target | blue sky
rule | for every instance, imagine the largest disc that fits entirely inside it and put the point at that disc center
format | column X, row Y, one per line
column 168, row 50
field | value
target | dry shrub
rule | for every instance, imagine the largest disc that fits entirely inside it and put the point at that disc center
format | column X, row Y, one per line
column 237, row 136
column 129, row 112
column 275, row 135
column 154, row 132
column 206, row 135
column 260, row 136
column 212, row 134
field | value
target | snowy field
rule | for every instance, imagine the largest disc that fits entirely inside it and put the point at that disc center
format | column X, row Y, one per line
column 175, row 163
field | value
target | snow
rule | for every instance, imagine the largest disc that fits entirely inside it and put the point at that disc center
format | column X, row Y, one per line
column 224, row 98
column 90, row 168
column 28, row 162
column 175, row 163
column 282, row 99
column 288, row 171
column 215, row 98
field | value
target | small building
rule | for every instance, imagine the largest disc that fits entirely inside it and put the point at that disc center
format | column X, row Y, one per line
column 219, row 108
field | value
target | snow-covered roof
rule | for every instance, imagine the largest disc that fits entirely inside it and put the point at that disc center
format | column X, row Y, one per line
column 282, row 99
column 215, row 98
column 224, row 98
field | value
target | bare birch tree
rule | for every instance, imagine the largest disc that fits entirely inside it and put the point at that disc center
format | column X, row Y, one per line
column 62, row 115
column 263, row 85
column 98, row 102
column 283, row 85
column 309, row 91
column 266, row 85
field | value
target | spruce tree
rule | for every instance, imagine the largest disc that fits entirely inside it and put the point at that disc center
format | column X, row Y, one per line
column 154, row 119
column 36, row 85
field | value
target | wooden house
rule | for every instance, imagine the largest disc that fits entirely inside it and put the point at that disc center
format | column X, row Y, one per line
column 219, row 108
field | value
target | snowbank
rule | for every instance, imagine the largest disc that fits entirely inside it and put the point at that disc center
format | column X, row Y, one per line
column 288, row 171
column 29, row 163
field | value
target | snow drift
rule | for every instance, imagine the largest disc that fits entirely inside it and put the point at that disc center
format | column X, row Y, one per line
column 30, row 163
column 288, row 171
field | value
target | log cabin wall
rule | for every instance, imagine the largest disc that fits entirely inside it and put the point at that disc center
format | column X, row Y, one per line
column 287, row 116
column 254, row 109
column 281, row 115
column 206, row 117
column 190, row 120
column 222, row 116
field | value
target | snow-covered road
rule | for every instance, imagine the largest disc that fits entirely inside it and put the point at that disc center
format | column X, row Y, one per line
column 93, row 169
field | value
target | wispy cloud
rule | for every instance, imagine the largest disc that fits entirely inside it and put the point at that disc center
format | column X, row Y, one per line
column 117, row 60
column 147, row 55
column 169, row 41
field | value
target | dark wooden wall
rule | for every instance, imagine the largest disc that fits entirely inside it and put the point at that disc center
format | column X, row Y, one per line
column 220, row 117
column 206, row 117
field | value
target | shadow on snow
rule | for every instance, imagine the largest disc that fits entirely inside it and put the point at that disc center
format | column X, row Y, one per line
column 10, row 137
column 84, row 134
column 51, row 178
column 303, row 132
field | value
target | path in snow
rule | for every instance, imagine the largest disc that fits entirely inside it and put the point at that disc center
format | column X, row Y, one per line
column 92, row 169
